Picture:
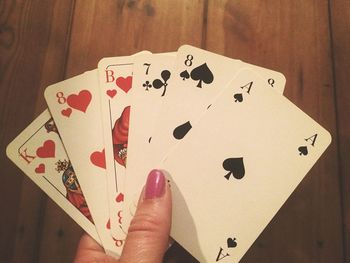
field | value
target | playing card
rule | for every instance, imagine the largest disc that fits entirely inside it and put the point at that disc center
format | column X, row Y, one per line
column 75, row 107
column 199, row 77
column 151, row 74
column 115, row 83
column 236, row 168
column 39, row 153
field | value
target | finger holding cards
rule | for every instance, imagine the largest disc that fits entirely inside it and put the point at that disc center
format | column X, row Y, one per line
column 254, row 158
column 39, row 153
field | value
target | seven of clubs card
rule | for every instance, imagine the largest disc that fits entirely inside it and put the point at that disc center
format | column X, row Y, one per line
column 233, row 147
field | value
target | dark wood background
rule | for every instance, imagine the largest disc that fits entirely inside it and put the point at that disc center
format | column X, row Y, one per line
column 43, row 42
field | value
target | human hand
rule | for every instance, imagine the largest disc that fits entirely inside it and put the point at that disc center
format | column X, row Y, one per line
column 148, row 234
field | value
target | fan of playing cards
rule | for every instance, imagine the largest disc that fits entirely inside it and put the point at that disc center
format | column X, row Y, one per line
column 233, row 146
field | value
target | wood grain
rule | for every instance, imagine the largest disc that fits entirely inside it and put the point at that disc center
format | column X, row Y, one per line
column 43, row 42
column 308, row 227
column 131, row 26
column 31, row 58
column 340, row 13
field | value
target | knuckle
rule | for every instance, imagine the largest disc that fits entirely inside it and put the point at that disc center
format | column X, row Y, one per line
column 145, row 223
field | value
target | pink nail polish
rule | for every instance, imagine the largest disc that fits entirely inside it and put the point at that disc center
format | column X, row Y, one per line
column 155, row 185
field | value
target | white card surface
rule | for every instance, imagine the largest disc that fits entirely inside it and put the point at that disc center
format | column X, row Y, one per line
column 115, row 87
column 151, row 75
column 39, row 153
column 237, row 167
column 198, row 78
column 75, row 107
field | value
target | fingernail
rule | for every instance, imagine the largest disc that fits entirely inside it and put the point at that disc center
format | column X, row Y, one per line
column 155, row 185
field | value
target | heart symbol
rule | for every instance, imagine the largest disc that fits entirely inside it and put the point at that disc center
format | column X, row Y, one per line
column 119, row 198
column 111, row 93
column 47, row 150
column 98, row 159
column 303, row 150
column 231, row 242
column 66, row 112
column 124, row 83
column 238, row 97
column 108, row 225
column 80, row 101
column 40, row 169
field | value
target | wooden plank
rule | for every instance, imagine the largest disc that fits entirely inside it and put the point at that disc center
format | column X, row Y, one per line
column 132, row 26
column 340, row 13
column 292, row 37
column 32, row 47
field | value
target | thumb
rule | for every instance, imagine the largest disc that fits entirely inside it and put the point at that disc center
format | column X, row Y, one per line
column 148, row 235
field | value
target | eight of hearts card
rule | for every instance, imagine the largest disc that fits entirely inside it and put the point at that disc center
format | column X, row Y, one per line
column 236, row 168
column 39, row 153
column 75, row 107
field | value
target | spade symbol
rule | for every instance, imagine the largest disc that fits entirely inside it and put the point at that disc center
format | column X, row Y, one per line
column 203, row 74
column 157, row 83
column 238, row 97
column 234, row 166
column 231, row 242
column 182, row 130
column 303, row 150
column 184, row 75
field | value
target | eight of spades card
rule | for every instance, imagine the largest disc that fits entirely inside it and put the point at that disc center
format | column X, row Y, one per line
column 115, row 83
column 39, row 153
column 151, row 74
column 246, row 155
column 199, row 77
column 75, row 107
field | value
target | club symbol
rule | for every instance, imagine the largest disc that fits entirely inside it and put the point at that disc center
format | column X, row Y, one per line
column 303, row 150
column 235, row 167
column 157, row 83
column 147, row 85
column 231, row 242
column 238, row 97
column 202, row 73
column 184, row 75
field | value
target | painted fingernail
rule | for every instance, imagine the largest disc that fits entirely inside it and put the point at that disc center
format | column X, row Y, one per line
column 155, row 185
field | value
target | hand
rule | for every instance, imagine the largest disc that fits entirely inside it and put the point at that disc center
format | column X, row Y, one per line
column 148, row 234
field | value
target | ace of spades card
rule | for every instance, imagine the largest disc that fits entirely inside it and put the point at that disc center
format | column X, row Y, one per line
column 75, row 107
column 246, row 155
column 39, row 153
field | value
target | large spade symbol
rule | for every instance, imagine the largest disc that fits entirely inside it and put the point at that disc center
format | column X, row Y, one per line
column 203, row 74
column 235, row 167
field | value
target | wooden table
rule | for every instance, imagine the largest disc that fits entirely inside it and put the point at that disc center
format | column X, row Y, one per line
column 43, row 42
